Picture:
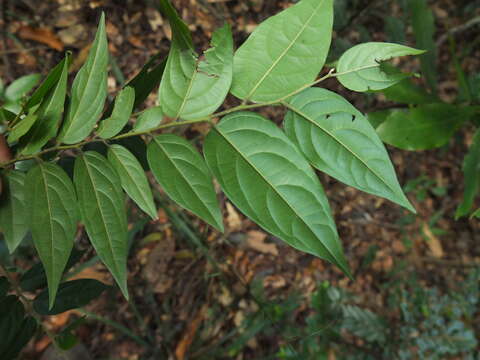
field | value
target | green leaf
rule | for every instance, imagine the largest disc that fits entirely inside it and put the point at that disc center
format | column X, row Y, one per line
column 424, row 127
column 423, row 23
column 20, row 87
column 6, row 116
column 338, row 140
column 89, row 91
column 284, row 53
column 265, row 176
column 180, row 32
column 28, row 328
column 183, row 174
column 36, row 278
column 192, row 88
column 102, row 211
column 71, row 295
column 471, row 175
column 133, row 178
column 149, row 119
column 147, row 79
column 376, row 118
column 49, row 114
column 53, row 216
column 360, row 67
column 50, row 81
column 121, row 114
column 22, row 128
column 13, row 216
column 11, row 318
column 406, row 92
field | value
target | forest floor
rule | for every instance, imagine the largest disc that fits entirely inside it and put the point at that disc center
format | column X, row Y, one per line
column 195, row 290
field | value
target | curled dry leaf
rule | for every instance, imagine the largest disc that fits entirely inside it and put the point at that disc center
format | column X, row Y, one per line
column 41, row 35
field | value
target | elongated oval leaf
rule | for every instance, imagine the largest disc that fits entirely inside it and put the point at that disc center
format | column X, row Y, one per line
column 183, row 174
column 122, row 111
column 71, row 295
column 406, row 92
column 89, row 91
column 284, row 53
column 192, row 88
column 149, row 119
column 424, row 127
column 53, row 215
column 471, row 174
column 361, row 66
column 267, row 178
column 20, row 87
column 49, row 114
column 337, row 139
column 102, row 210
column 50, row 81
column 132, row 178
column 22, row 128
column 13, row 216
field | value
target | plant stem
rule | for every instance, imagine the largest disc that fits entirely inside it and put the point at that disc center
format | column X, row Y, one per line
column 242, row 107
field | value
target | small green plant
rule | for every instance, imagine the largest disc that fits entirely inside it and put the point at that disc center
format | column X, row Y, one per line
column 267, row 172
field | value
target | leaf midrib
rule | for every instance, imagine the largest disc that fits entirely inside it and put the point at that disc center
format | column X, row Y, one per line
column 145, row 199
column 73, row 117
column 183, row 176
column 97, row 200
column 277, row 192
column 306, row 117
column 50, row 217
column 287, row 49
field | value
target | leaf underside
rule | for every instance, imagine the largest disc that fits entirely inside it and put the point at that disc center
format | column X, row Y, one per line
column 284, row 53
column 337, row 139
column 265, row 176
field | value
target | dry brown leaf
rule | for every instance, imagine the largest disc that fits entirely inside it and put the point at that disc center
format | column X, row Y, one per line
column 256, row 241
column 433, row 242
column 41, row 35
column 234, row 221
column 187, row 338
column 96, row 272
column 155, row 271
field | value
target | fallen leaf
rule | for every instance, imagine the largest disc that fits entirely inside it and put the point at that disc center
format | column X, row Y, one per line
column 234, row 221
column 41, row 35
column 256, row 241
column 155, row 271
column 433, row 242
column 189, row 335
